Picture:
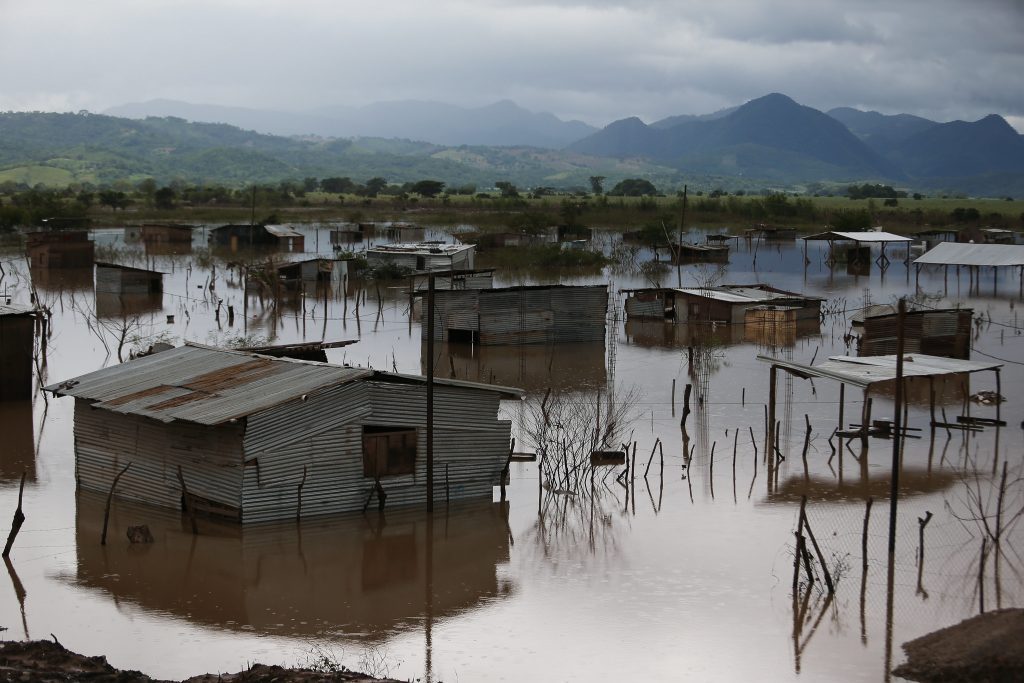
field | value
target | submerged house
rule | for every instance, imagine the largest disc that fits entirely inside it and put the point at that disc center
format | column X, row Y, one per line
column 721, row 303
column 423, row 256
column 17, row 328
column 255, row 438
column 539, row 314
column 278, row 237
column 936, row 332
column 314, row 270
column 112, row 278
column 67, row 249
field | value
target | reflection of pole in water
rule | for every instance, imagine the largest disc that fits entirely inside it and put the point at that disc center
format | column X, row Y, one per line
column 428, row 600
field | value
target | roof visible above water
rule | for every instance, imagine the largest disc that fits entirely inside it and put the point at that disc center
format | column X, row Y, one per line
column 423, row 248
column 16, row 309
column 865, row 236
column 863, row 371
column 211, row 386
column 961, row 254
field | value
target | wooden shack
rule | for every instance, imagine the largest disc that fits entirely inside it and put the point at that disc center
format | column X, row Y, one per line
column 404, row 232
column 256, row 438
column 699, row 253
column 944, row 332
column 539, row 314
column 166, row 235
column 423, row 256
column 112, row 278
column 295, row 274
column 720, row 303
column 17, row 327
column 67, row 249
column 278, row 237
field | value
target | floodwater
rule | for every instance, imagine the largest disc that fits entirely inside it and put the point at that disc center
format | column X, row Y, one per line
column 685, row 572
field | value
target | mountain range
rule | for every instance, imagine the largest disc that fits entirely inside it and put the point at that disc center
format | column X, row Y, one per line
column 770, row 141
column 503, row 123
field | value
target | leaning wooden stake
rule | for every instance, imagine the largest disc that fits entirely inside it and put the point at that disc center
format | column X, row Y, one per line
column 864, row 537
column 188, row 502
column 19, row 519
column 110, row 497
column 922, row 522
column 981, row 577
column 814, row 542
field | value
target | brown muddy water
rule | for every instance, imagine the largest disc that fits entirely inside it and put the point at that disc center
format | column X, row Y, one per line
column 685, row 574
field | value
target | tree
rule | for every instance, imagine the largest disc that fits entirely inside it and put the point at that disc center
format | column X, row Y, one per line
column 115, row 199
column 633, row 187
column 374, row 186
column 427, row 188
column 164, row 198
column 310, row 184
column 338, row 185
column 507, row 188
column 596, row 184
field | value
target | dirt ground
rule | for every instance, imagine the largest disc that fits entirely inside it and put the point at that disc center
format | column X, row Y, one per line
column 44, row 661
column 986, row 648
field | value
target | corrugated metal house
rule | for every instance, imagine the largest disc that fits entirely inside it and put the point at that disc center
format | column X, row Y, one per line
column 169, row 233
column 17, row 324
column 259, row 438
column 540, row 314
column 423, row 256
column 315, row 270
column 945, row 332
column 112, row 278
column 721, row 303
column 68, row 249
column 278, row 237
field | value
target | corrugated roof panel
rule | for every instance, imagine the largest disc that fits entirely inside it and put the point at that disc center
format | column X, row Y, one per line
column 863, row 371
column 15, row 309
column 281, row 231
column 960, row 254
column 203, row 385
column 865, row 236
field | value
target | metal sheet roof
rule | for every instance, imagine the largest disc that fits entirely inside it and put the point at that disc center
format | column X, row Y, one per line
column 423, row 248
column 16, row 309
column 281, row 231
column 863, row 371
column 961, row 254
column 210, row 386
column 865, row 236
column 742, row 293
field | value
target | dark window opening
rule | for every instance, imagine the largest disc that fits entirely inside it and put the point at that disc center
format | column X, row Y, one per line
column 421, row 263
column 388, row 451
column 458, row 336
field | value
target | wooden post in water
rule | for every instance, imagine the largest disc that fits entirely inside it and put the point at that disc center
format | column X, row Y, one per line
column 771, row 414
column 897, row 420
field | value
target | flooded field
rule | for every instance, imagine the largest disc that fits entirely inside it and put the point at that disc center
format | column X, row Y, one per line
column 683, row 569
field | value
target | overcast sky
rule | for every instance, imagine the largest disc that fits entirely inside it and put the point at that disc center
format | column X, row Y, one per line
column 596, row 60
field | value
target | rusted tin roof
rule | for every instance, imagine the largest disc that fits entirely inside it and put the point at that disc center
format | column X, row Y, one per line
column 212, row 386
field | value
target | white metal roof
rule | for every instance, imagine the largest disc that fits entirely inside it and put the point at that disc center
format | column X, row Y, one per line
column 281, row 231
column 211, row 386
column 961, row 254
column 740, row 294
column 15, row 309
column 865, row 236
column 863, row 371
column 423, row 248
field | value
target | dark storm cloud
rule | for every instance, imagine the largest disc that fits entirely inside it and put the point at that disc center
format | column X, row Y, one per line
column 597, row 61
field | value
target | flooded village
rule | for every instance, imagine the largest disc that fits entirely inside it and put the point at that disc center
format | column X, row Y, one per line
column 380, row 444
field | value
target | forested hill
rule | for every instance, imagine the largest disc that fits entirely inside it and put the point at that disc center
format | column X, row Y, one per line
column 59, row 149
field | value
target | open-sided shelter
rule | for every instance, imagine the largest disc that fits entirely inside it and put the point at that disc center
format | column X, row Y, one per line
column 256, row 438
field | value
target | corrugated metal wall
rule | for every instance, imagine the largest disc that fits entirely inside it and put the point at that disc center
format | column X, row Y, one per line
column 646, row 305
column 523, row 315
column 210, row 457
column 324, row 435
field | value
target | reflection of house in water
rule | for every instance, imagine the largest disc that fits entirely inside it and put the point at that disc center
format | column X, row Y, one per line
column 124, row 290
column 945, row 332
column 423, row 256
column 17, row 329
column 69, row 249
column 255, row 435
column 58, row 280
column 279, row 237
column 18, row 453
column 913, row 482
column 721, row 303
column 166, row 239
column 404, row 232
column 540, row 314
column 533, row 367
column 667, row 334
column 363, row 576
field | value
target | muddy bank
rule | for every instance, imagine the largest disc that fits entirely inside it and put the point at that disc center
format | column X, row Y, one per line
column 988, row 647
column 44, row 661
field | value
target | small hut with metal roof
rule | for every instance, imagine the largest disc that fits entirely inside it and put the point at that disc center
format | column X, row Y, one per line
column 255, row 438
column 278, row 237
column 720, row 303
column 17, row 324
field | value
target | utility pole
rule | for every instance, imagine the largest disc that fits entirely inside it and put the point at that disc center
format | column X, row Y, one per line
column 897, row 424
column 430, row 392
column 679, row 243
